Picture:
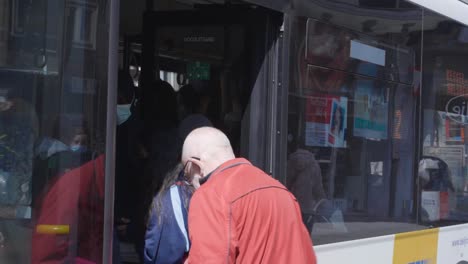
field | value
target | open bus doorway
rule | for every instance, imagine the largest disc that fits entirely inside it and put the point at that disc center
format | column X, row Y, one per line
column 216, row 59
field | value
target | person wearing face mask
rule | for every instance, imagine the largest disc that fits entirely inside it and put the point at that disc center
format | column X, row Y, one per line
column 79, row 150
column 79, row 141
column 239, row 214
column 123, row 113
column 130, row 160
column 67, row 148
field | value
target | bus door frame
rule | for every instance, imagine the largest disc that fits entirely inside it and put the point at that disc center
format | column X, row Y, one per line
column 263, row 32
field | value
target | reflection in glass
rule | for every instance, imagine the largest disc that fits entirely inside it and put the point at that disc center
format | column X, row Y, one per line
column 352, row 122
column 342, row 165
column 399, row 161
column 53, row 79
column 442, row 168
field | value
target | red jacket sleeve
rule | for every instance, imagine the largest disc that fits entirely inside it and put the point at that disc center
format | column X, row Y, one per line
column 210, row 229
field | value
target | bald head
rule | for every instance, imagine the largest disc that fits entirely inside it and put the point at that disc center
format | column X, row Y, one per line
column 207, row 143
column 210, row 146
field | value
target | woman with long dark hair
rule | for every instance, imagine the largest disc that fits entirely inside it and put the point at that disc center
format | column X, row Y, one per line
column 166, row 239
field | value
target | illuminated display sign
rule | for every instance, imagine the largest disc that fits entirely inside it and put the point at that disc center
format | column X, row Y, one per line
column 198, row 71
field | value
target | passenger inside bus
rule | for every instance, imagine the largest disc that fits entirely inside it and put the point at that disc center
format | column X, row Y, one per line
column 194, row 99
column 160, row 138
column 166, row 239
column 191, row 84
column 130, row 159
column 167, row 117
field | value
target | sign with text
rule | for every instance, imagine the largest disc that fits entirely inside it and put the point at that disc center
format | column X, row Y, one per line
column 326, row 117
column 198, row 71
column 370, row 111
column 457, row 109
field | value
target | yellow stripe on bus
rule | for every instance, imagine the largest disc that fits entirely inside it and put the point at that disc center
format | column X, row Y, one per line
column 416, row 247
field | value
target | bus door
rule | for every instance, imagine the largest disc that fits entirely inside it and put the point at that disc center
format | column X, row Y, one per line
column 222, row 53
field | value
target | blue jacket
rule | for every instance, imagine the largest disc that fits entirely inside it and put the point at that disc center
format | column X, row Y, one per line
column 168, row 242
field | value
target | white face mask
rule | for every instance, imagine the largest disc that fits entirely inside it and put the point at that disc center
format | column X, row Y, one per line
column 123, row 113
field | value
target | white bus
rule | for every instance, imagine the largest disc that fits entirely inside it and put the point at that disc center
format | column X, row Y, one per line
column 358, row 106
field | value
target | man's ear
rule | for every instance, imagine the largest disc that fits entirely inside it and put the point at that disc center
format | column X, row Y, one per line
column 198, row 163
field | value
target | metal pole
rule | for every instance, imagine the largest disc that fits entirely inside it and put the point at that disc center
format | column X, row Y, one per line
column 112, row 68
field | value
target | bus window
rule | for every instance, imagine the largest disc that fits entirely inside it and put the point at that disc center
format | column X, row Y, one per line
column 442, row 170
column 377, row 119
column 53, row 109
column 351, row 123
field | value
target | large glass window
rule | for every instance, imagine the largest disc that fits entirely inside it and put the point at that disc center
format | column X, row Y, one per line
column 352, row 117
column 442, row 173
column 53, row 92
column 377, row 118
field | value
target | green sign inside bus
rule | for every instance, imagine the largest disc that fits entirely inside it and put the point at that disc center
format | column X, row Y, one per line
column 198, row 71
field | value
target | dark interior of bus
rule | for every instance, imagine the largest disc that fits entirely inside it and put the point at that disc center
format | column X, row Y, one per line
column 216, row 46
column 212, row 54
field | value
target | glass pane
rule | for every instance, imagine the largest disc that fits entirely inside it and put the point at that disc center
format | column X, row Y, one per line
column 350, row 157
column 352, row 117
column 338, row 48
column 442, row 168
column 53, row 81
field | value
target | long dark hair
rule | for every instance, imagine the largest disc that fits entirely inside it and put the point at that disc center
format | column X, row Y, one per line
column 171, row 178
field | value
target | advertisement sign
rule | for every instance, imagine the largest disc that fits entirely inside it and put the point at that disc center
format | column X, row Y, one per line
column 456, row 109
column 370, row 111
column 435, row 205
column 452, row 155
column 453, row 245
column 448, row 245
column 370, row 250
column 326, row 121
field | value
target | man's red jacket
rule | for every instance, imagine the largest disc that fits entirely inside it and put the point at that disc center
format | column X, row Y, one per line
column 242, row 215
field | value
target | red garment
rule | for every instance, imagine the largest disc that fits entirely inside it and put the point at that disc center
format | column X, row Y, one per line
column 75, row 199
column 242, row 215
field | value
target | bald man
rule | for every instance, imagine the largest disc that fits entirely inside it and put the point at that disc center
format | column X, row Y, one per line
column 239, row 214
